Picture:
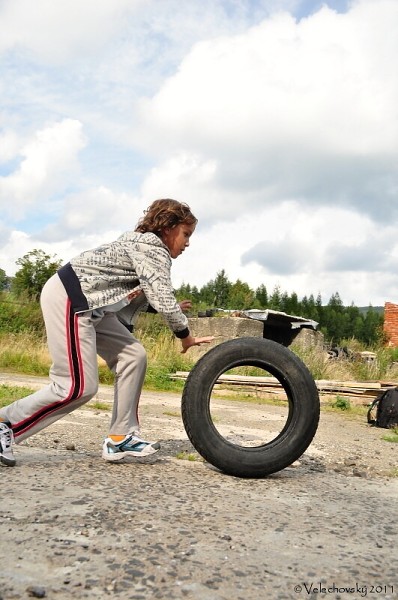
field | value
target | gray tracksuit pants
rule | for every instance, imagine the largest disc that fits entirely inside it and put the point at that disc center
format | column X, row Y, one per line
column 74, row 342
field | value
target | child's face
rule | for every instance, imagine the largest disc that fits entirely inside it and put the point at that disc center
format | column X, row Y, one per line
column 177, row 238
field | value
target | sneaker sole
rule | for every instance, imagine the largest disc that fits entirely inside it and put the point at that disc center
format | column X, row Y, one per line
column 120, row 455
column 7, row 462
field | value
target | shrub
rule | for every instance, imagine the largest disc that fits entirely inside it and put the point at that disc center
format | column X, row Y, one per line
column 20, row 315
column 341, row 403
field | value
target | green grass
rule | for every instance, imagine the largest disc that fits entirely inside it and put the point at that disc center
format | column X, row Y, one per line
column 188, row 456
column 341, row 403
column 251, row 398
column 172, row 413
column 24, row 353
column 10, row 393
column 158, row 378
column 392, row 436
column 98, row 405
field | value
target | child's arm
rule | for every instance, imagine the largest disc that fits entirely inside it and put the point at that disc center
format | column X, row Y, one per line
column 189, row 341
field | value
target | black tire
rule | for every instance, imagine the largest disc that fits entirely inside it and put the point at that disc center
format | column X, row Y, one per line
column 302, row 408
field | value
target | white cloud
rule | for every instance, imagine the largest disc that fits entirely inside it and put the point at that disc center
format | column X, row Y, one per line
column 59, row 31
column 334, row 241
column 189, row 179
column 290, row 109
column 96, row 211
column 48, row 164
column 14, row 245
column 93, row 60
column 8, row 146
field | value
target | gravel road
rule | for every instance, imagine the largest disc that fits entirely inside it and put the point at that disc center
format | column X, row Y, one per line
column 74, row 526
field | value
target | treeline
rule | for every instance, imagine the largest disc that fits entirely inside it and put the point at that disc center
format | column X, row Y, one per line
column 336, row 322
column 19, row 307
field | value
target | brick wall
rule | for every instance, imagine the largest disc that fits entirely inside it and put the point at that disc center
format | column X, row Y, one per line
column 391, row 324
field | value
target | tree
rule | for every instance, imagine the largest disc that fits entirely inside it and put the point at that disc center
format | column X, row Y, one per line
column 4, row 280
column 183, row 292
column 206, row 294
column 36, row 268
column 241, row 296
column 222, row 289
column 262, row 296
column 216, row 291
column 336, row 303
column 311, row 309
column 372, row 327
column 275, row 298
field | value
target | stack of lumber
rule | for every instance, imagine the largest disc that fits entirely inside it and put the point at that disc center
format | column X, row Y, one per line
column 366, row 390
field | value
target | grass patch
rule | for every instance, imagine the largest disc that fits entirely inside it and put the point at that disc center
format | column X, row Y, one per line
column 341, row 403
column 188, row 456
column 392, row 436
column 24, row 353
column 248, row 371
column 9, row 394
column 98, row 405
column 252, row 397
column 172, row 413
column 158, row 378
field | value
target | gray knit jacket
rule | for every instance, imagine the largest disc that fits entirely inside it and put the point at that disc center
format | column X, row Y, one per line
column 106, row 275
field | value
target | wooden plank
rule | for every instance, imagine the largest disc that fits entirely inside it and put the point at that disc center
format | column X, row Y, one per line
column 366, row 389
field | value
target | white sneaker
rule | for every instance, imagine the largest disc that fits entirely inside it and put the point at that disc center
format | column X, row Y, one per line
column 6, row 441
column 132, row 445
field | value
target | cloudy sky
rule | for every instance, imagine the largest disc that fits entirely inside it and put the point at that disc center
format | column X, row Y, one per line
column 275, row 120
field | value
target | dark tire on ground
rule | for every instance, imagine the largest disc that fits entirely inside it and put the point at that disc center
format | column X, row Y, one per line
column 298, row 429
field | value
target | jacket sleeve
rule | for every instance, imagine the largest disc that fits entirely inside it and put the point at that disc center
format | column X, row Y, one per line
column 153, row 271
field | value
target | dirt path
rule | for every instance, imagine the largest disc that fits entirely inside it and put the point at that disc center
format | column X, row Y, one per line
column 73, row 526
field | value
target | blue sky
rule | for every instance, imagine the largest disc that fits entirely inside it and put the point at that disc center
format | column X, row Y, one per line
column 275, row 120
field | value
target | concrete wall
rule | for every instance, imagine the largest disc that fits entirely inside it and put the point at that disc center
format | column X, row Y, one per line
column 228, row 328
column 308, row 338
column 223, row 329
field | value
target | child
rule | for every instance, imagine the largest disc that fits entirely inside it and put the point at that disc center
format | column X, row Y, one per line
column 86, row 307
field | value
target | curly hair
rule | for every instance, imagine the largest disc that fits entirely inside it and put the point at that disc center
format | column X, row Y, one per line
column 163, row 214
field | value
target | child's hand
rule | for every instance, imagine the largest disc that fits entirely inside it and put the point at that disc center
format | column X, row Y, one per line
column 134, row 294
column 194, row 341
column 185, row 304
